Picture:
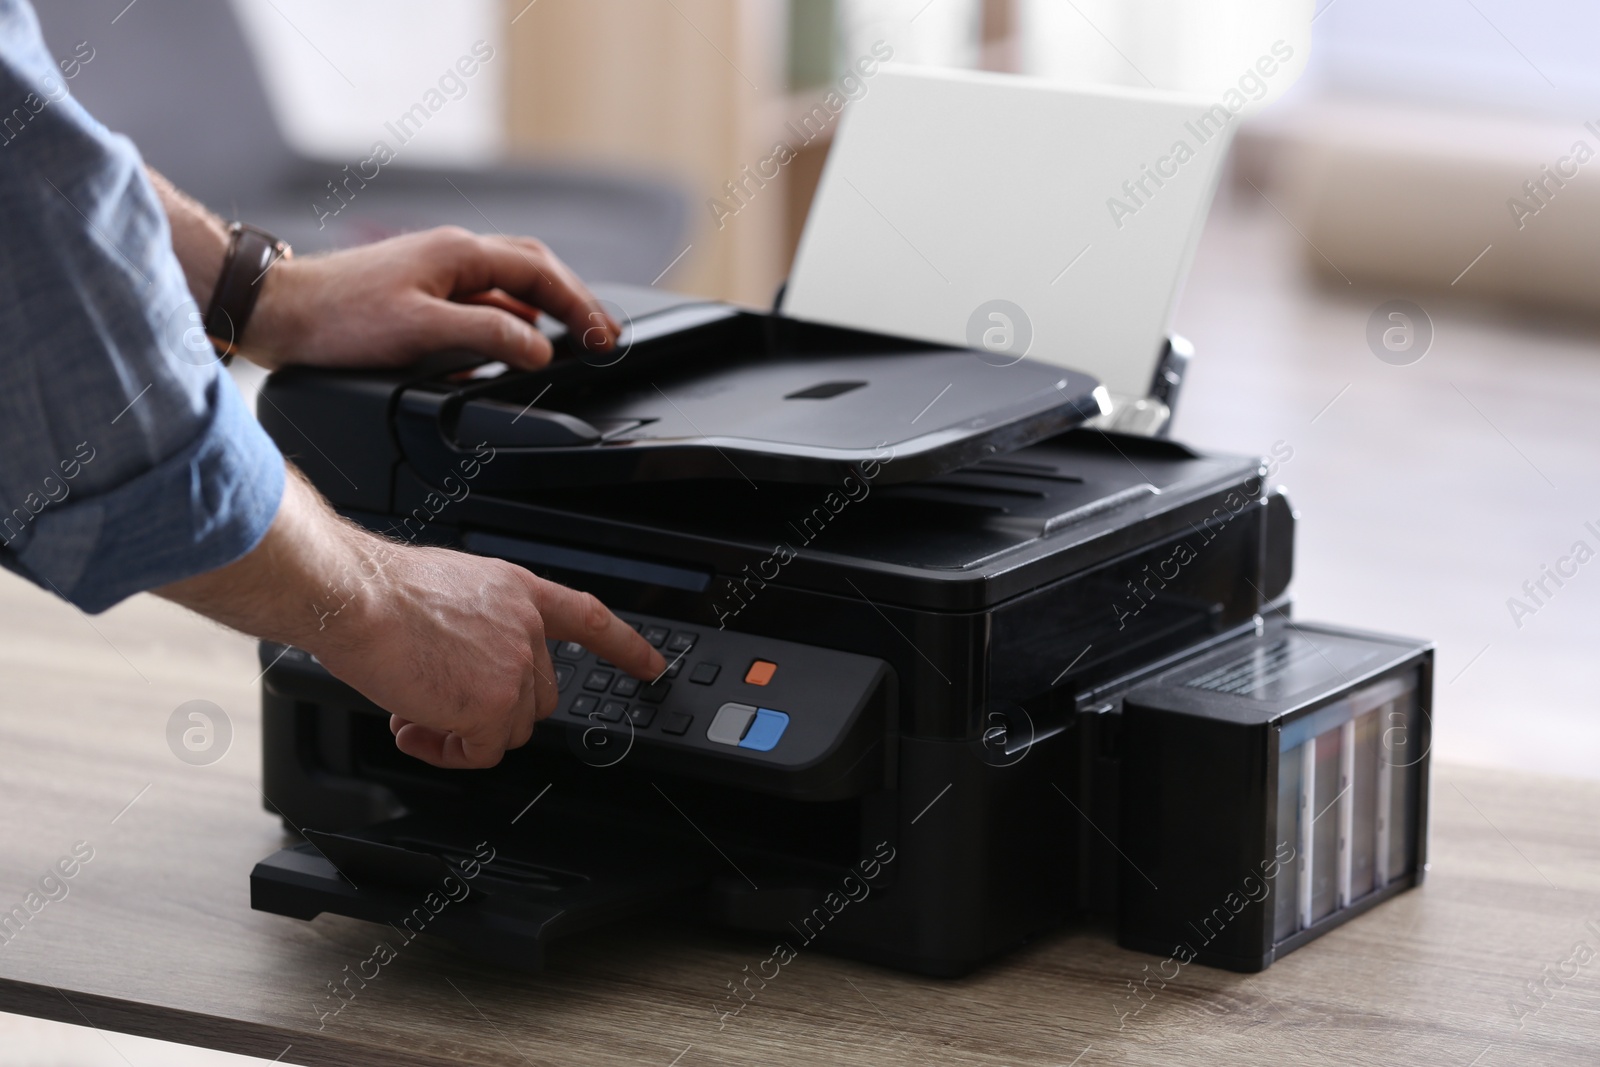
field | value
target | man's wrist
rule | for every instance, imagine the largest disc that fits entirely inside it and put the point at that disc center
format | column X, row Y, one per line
column 277, row 326
column 347, row 614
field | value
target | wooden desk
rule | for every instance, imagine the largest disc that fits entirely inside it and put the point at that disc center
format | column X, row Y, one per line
column 156, row 936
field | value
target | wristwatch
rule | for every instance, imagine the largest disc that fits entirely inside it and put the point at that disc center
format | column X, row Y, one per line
column 251, row 253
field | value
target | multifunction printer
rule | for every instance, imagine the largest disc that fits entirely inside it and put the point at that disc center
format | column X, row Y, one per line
column 952, row 661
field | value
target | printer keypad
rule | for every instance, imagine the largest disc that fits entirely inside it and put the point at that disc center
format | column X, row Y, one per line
column 609, row 695
column 798, row 702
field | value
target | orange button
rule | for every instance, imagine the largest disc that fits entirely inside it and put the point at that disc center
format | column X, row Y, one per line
column 760, row 672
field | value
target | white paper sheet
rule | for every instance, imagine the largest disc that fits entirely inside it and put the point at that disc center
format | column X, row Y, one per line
column 1023, row 217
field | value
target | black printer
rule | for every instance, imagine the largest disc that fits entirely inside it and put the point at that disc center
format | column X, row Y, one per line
column 949, row 666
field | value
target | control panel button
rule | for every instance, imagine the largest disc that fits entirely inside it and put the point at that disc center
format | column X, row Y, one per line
column 704, row 673
column 682, row 641
column 655, row 692
column 676, row 723
column 626, row 686
column 730, row 723
column 760, row 672
column 674, row 668
column 656, row 635
column 570, row 650
column 582, row 705
column 641, row 715
column 563, row 676
column 598, row 681
column 612, row 711
column 764, row 733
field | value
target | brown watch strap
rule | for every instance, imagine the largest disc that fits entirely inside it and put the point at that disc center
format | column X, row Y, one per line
column 251, row 253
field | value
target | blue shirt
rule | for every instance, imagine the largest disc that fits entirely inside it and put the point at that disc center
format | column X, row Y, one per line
column 127, row 459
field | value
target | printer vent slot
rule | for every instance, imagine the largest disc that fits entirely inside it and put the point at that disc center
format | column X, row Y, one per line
column 944, row 496
column 1008, row 502
column 981, row 485
column 1024, row 468
column 986, row 490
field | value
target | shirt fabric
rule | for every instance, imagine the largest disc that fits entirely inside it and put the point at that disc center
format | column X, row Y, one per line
column 127, row 458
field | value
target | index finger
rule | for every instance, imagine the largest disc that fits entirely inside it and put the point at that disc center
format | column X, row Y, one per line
column 573, row 616
column 530, row 272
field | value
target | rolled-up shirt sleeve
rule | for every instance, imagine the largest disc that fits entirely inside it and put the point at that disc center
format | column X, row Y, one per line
column 127, row 459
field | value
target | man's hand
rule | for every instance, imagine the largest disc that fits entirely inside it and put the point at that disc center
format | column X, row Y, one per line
column 452, row 645
column 385, row 304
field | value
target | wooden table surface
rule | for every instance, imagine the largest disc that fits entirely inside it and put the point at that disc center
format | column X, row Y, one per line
column 155, row 935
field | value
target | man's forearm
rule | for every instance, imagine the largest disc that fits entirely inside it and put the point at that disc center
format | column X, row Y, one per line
column 452, row 645
column 199, row 237
column 305, row 571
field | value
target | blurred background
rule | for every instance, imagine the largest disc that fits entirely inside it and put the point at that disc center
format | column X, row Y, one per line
column 1433, row 151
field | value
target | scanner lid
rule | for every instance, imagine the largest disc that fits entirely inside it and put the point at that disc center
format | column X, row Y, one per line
column 704, row 390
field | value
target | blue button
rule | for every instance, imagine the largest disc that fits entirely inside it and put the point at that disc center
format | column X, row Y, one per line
column 765, row 731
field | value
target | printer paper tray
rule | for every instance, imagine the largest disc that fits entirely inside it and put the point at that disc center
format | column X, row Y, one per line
column 501, row 893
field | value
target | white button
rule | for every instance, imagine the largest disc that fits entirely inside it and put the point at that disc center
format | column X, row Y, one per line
column 730, row 723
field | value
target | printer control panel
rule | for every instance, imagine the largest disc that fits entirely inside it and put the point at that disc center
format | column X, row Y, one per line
column 770, row 715
column 724, row 695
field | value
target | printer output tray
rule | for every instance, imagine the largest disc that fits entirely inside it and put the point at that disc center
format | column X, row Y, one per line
column 707, row 391
column 501, row 892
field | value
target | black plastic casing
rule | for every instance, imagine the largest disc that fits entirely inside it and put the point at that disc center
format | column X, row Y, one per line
column 1000, row 596
column 986, row 847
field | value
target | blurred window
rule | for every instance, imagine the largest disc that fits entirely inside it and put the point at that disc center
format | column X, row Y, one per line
column 335, row 73
column 1186, row 45
column 940, row 33
column 1521, row 55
